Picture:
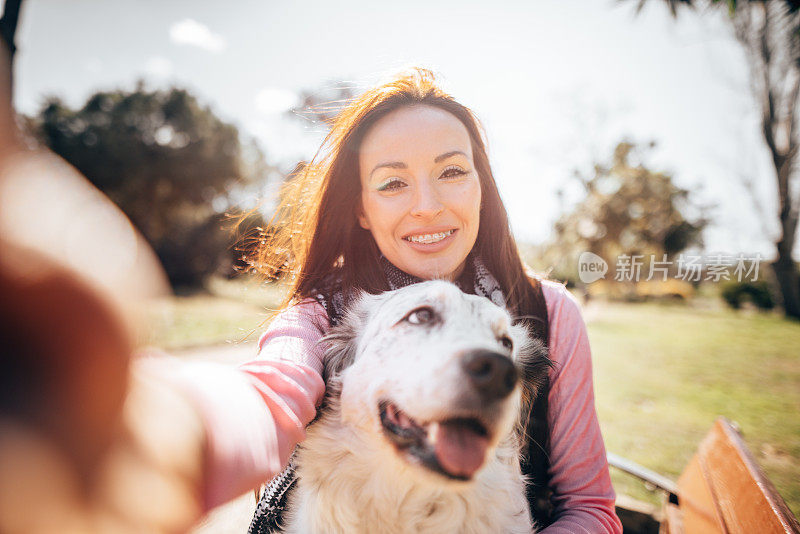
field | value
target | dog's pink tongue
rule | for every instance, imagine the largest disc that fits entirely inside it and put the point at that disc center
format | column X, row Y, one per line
column 459, row 449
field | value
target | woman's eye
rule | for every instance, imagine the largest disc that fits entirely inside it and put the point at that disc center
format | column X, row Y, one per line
column 420, row 316
column 453, row 172
column 506, row 342
column 391, row 185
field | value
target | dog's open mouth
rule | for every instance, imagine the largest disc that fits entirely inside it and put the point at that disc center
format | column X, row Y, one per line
column 453, row 447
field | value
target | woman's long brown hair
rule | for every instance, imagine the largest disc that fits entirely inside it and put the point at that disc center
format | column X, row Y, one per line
column 315, row 233
column 315, row 228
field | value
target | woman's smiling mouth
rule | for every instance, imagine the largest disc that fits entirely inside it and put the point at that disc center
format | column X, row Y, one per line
column 428, row 239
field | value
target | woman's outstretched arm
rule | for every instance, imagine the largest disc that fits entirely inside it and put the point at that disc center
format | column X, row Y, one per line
column 253, row 416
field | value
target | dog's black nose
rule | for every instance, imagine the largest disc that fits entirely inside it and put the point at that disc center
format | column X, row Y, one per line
column 492, row 374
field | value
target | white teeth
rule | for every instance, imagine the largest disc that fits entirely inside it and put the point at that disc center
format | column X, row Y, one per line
column 433, row 432
column 429, row 238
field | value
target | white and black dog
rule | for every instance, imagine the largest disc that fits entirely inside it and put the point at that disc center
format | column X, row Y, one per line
column 420, row 429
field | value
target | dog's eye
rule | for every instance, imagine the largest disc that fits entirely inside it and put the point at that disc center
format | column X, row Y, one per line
column 506, row 342
column 420, row 316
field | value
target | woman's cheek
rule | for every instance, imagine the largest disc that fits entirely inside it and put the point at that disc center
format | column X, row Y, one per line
column 468, row 196
column 387, row 213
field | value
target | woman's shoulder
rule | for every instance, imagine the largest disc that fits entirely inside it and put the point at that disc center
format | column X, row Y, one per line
column 563, row 309
column 309, row 306
column 558, row 299
column 300, row 314
column 294, row 333
column 557, row 296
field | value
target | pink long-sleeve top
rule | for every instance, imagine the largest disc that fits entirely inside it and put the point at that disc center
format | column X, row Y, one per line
column 246, row 445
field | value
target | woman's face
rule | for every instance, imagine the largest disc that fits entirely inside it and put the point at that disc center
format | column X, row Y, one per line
column 420, row 193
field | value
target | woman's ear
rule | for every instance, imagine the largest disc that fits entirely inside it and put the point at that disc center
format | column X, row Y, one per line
column 362, row 219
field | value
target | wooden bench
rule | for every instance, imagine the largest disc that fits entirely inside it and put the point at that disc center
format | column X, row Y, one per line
column 722, row 490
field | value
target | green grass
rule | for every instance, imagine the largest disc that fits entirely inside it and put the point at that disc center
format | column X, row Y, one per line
column 227, row 311
column 663, row 374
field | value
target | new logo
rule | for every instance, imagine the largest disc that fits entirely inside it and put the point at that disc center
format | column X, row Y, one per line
column 591, row 267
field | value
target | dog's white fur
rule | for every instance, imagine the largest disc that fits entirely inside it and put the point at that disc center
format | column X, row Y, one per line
column 352, row 478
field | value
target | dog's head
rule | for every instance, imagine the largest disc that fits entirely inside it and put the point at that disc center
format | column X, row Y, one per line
column 433, row 374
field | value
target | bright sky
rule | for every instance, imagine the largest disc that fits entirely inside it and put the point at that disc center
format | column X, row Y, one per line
column 555, row 83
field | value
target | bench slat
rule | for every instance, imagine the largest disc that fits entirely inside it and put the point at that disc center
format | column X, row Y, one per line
column 696, row 500
column 746, row 499
column 724, row 490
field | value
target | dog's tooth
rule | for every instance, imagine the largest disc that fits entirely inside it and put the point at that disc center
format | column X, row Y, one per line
column 433, row 432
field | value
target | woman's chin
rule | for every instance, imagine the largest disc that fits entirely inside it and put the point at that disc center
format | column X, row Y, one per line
column 434, row 270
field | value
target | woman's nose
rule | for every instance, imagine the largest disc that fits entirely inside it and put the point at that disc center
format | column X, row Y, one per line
column 427, row 203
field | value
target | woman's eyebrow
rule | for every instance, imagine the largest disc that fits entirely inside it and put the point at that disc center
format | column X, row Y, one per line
column 401, row 165
column 450, row 154
column 390, row 165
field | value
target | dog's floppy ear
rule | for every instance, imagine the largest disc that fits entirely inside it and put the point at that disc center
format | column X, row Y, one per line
column 532, row 358
column 342, row 339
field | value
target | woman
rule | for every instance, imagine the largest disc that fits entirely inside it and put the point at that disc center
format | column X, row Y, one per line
column 404, row 192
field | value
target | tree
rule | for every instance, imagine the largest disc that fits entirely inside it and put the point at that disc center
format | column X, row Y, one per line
column 168, row 162
column 628, row 209
column 8, row 31
column 769, row 33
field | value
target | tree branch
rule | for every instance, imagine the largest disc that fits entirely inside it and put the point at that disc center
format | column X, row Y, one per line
column 749, row 186
column 791, row 98
column 8, row 24
column 768, row 101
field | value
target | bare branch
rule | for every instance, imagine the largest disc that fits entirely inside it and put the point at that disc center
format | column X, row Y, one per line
column 768, row 104
column 8, row 24
column 749, row 186
column 791, row 111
